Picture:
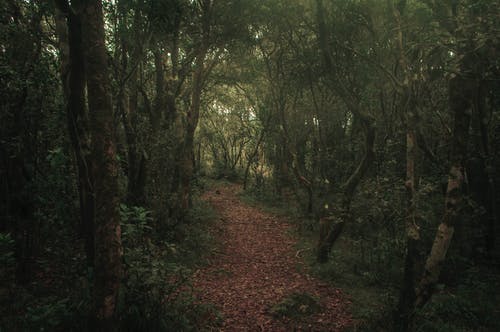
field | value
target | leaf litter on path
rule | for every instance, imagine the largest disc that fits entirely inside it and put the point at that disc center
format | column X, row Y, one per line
column 257, row 269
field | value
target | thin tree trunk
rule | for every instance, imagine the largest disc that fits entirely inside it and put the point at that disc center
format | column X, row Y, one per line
column 252, row 156
column 490, row 201
column 128, row 105
column 330, row 230
column 186, row 164
column 407, row 292
column 159, row 101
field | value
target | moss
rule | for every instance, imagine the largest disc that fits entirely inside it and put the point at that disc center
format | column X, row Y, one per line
column 296, row 305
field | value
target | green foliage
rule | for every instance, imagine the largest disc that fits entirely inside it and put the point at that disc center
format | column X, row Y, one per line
column 372, row 301
column 55, row 314
column 193, row 236
column 230, row 174
column 6, row 251
column 8, row 263
column 156, row 295
column 147, row 271
column 44, row 311
column 56, row 193
column 136, row 225
column 267, row 199
column 470, row 306
column 151, row 301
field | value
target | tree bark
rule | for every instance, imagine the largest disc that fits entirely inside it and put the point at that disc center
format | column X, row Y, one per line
column 407, row 292
column 330, row 229
column 108, row 250
column 159, row 101
column 128, row 101
column 185, row 161
column 461, row 94
column 490, row 200
column 73, row 78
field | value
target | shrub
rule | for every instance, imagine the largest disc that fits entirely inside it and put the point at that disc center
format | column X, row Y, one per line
column 471, row 306
column 156, row 295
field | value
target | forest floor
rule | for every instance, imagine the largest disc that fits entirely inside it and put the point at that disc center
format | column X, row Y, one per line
column 257, row 280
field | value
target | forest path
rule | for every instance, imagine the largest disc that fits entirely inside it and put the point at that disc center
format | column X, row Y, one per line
column 257, row 268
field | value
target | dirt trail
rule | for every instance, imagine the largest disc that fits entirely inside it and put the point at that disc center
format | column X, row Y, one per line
column 257, row 268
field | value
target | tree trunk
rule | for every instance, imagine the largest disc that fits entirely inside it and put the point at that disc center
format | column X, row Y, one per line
column 159, row 101
column 461, row 93
column 490, row 200
column 186, row 165
column 128, row 106
column 330, row 230
column 407, row 293
column 255, row 151
column 108, row 250
column 73, row 78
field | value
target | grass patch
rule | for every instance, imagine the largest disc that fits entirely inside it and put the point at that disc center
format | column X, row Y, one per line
column 296, row 305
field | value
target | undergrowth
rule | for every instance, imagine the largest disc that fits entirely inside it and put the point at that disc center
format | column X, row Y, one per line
column 367, row 264
column 158, row 295
column 155, row 293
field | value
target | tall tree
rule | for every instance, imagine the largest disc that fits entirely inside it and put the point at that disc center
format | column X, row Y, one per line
column 408, row 107
column 461, row 95
column 186, row 166
column 69, row 31
column 108, row 250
